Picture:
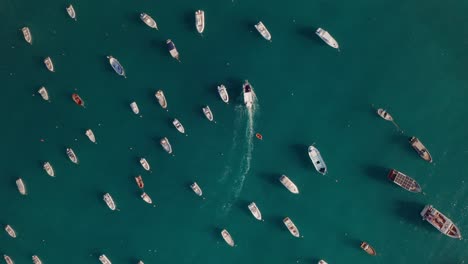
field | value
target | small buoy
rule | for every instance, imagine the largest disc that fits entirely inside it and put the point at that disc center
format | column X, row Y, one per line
column 259, row 136
column 42, row 140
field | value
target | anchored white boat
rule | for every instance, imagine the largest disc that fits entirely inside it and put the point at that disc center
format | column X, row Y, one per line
column 196, row 189
column 317, row 160
column 178, row 126
column 148, row 20
column 327, row 38
column 166, row 145
column 11, row 232
column 36, row 260
column 208, row 113
column 135, row 108
column 222, row 91
column 104, row 260
column 248, row 96
column 200, row 21
column 44, row 94
column 118, row 68
column 161, row 99
column 27, row 35
column 21, row 186
column 263, row 30
column 49, row 169
column 420, row 149
column 144, row 164
column 109, row 201
column 89, row 133
column 71, row 12
column 49, row 64
column 72, row 156
column 146, row 198
column 255, row 211
column 289, row 184
column 140, row 262
column 8, row 260
column 440, row 222
column 172, row 49
column 291, row 227
column 227, row 237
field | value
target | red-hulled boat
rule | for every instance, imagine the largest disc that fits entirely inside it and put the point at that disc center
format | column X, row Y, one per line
column 77, row 99
column 259, row 136
column 139, row 182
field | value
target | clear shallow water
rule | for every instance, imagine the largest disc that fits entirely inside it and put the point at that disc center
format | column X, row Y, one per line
column 397, row 55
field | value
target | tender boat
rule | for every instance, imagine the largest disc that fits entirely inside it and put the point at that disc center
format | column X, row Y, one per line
column 200, row 21
column 420, row 149
column 27, row 35
column 104, row 260
column 44, row 94
column 116, row 66
column 148, row 20
column 11, row 232
column 248, row 96
column 440, row 221
column 49, row 169
column 139, row 181
column 161, row 99
column 21, row 186
column 263, row 30
column 227, row 237
column 322, row 262
column 289, row 184
column 291, row 227
column 166, row 145
column 172, row 49
column 384, row 114
column 109, row 201
column 135, row 108
column 144, row 164
column 404, row 181
column 178, row 126
column 327, row 38
column 368, row 248
column 146, row 198
column 259, row 136
column 196, row 189
column 72, row 156
column 77, row 99
column 317, row 160
column 223, row 93
column 71, row 12
column 36, row 260
column 255, row 211
column 8, row 260
column 49, row 64
column 90, row 135
column 208, row 113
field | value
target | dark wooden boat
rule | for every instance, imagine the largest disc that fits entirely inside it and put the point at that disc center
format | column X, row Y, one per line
column 259, row 136
column 77, row 99
column 420, row 149
column 368, row 248
column 139, row 182
column 404, row 181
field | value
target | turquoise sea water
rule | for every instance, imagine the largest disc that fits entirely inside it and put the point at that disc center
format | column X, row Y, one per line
column 408, row 57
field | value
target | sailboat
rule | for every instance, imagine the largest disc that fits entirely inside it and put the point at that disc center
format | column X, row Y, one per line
column 71, row 12
column 227, row 237
column 21, row 186
column 139, row 181
column 255, row 211
column 104, row 260
column 208, row 113
column 166, row 145
column 196, row 189
column 8, row 260
column 161, row 99
column 36, row 260
column 222, row 91
column 291, row 227
column 200, row 21
column 11, row 232
column 178, row 126
column 72, row 156
column 109, row 201
column 146, row 198
column 385, row 115
column 49, row 169
column 172, row 49
column 116, row 66
column 44, row 94
column 263, row 30
column 327, row 38
column 89, row 133
column 144, row 164
column 49, row 64
column 317, row 160
column 289, row 184
column 27, row 34
column 77, row 99
column 135, row 108
column 148, row 20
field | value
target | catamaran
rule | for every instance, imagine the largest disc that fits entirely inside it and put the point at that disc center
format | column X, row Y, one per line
column 44, row 94
column 71, row 12
column 248, row 96
column 116, row 66
column 135, row 108
column 139, row 181
column 317, row 160
column 440, row 221
column 89, row 133
column 222, row 91
column 148, row 20
column 27, row 35
column 144, row 164
column 196, row 189
column 178, row 126
column 21, row 186
column 263, row 30
column 8, row 260
column 200, row 21
column 227, row 237
column 77, row 99
column 291, row 226
column 255, row 211
column 49, row 169
column 72, row 156
column 172, row 49
column 49, row 64
column 327, row 38
column 146, row 198
column 289, row 184
column 368, row 249
column 404, row 181
column 36, row 260
column 11, row 232
column 161, row 99
column 104, row 260
column 420, row 149
column 208, row 113
column 166, row 145
column 109, row 201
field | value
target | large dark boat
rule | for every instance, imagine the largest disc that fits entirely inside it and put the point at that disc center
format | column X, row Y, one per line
column 404, row 181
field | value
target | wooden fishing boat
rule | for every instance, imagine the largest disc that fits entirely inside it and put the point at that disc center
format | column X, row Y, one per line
column 289, row 184
column 49, row 169
column 368, row 249
column 144, row 164
column 139, row 181
column 227, row 237
column 21, row 186
column 263, row 31
column 148, row 20
column 259, row 136
column 44, row 94
column 10, row 231
column 178, row 126
column 72, row 156
column 146, row 198
column 440, row 222
column 291, row 227
column 404, row 181
column 77, row 99
column 196, row 189
column 255, row 211
column 420, row 149
column 90, row 134
column 27, row 34
column 71, row 12
column 8, row 260
column 200, row 21
column 49, row 64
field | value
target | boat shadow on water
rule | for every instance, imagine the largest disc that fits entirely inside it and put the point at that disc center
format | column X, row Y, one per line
column 352, row 242
column 243, row 205
column 189, row 22
column 272, row 178
column 410, row 212
column 308, row 33
column 300, row 150
column 377, row 173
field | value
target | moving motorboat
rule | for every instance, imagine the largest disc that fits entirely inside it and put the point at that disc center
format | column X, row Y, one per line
column 71, row 12
column 172, row 49
column 327, row 38
column 263, row 30
column 8, row 260
column 148, row 20
column 146, row 198
column 77, row 99
column 248, row 96
column 72, row 156
column 44, row 94
column 223, row 93
column 49, row 64
column 368, row 249
column 109, row 201
column 166, row 145
column 208, row 113
column 255, row 211
column 21, row 186
column 104, row 259
column 289, row 184
column 49, row 169
column 135, row 108
column 420, row 149
column 11, row 232
column 139, row 181
column 440, row 222
column 227, row 237
column 36, row 259
column 178, row 126
column 117, row 66
column 196, row 189
column 27, row 35
column 89, row 133
column 291, row 227
column 200, row 21
column 144, row 164
column 404, row 181
column 317, row 160
column 161, row 99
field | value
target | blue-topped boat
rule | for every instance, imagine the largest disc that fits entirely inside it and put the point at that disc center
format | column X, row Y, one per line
column 172, row 49
column 116, row 66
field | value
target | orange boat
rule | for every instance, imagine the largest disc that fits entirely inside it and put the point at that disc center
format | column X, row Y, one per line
column 77, row 99
column 368, row 249
column 139, row 182
column 259, row 136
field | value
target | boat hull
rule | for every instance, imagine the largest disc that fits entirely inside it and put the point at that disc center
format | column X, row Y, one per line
column 368, row 249
column 200, row 21
column 404, row 181
column 118, row 68
column 440, row 222
column 420, row 149
column 317, row 160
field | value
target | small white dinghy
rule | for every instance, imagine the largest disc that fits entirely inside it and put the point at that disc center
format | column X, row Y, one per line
column 208, row 113
column 227, row 237
column 255, row 211
column 44, row 94
column 289, row 184
column 27, row 35
column 109, row 201
column 89, row 133
column 161, row 99
column 263, row 31
column 8, row 260
column 178, row 126
column 223, row 93
column 196, row 189
column 200, row 21
column 10, row 231
column 327, row 38
column 149, row 21
column 144, row 164
column 166, row 145
column 71, row 12
column 146, row 198
column 49, row 64
column 72, row 156
column 49, row 169
column 36, row 260
column 104, row 259
column 21, row 186
column 135, row 108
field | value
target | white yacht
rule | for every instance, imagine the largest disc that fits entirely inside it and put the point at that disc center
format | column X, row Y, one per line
column 49, row 169
column 144, row 164
column 109, row 201
column 21, row 186
column 148, row 20
column 72, row 156
column 89, row 133
column 317, row 160
column 146, row 198
column 289, row 184
column 208, row 113
column 11, row 232
column 196, row 189
column 135, row 108
column 227, row 237
column 248, row 96
column 161, row 99
column 291, row 227
column 71, row 12
column 255, row 211
column 327, row 38
column 200, row 21
column 263, row 30
column 44, row 94
column 36, row 259
column 27, row 35
column 178, row 126
column 104, row 260
column 166, row 145
column 49, row 64
column 8, row 260
column 222, row 91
